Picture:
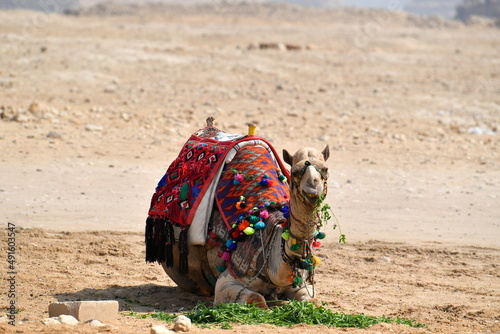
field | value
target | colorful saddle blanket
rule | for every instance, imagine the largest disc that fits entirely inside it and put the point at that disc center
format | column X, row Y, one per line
column 185, row 194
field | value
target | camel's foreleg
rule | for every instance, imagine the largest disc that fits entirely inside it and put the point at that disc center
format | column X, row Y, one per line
column 300, row 294
column 230, row 290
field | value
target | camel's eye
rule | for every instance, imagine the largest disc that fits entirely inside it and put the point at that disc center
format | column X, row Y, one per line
column 296, row 173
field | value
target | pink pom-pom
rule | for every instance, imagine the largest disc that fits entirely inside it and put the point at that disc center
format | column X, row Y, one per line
column 226, row 256
column 264, row 214
column 239, row 177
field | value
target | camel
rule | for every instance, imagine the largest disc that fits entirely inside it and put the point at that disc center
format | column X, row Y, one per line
column 276, row 263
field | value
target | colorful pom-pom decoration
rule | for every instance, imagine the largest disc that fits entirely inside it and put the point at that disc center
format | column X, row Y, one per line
column 221, row 268
column 316, row 244
column 266, row 181
column 231, row 245
column 241, row 205
column 320, row 235
column 264, row 214
column 260, row 225
column 297, row 280
column 285, row 235
column 239, row 177
column 295, row 247
column 226, row 256
column 316, row 260
column 243, row 225
column 282, row 178
column 253, row 219
column 249, row 231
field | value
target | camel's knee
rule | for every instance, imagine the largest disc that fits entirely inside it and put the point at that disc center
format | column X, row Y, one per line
column 254, row 298
column 300, row 294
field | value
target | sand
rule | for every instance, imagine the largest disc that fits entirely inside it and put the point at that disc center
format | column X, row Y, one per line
column 95, row 107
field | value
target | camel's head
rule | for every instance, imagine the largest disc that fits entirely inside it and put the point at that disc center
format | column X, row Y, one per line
column 309, row 173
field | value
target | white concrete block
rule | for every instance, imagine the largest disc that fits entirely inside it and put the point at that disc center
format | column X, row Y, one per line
column 103, row 310
column 160, row 329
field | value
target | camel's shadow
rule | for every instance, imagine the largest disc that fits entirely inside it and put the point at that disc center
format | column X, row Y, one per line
column 141, row 298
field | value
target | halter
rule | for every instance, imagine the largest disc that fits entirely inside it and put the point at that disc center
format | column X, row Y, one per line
column 301, row 172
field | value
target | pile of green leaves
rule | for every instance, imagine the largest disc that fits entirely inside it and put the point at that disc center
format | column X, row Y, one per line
column 292, row 313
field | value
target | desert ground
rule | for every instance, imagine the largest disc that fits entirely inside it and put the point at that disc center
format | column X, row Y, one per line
column 94, row 107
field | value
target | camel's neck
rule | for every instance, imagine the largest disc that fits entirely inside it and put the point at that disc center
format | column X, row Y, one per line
column 303, row 219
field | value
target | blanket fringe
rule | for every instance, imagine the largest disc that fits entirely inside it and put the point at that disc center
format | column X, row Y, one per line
column 159, row 241
column 183, row 252
column 150, row 242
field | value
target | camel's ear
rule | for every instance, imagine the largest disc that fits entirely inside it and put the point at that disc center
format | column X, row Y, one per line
column 326, row 153
column 287, row 157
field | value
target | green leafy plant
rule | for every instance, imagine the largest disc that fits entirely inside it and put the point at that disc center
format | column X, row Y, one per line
column 289, row 314
column 324, row 213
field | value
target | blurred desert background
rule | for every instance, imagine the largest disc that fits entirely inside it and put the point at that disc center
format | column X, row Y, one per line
column 96, row 100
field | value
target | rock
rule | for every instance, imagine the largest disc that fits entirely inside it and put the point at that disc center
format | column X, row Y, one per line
column 477, row 130
column 104, row 310
column 92, row 127
column 50, row 321
column 20, row 118
column 160, row 329
column 54, row 135
column 272, row 46
column 68, row 319
column 182, row 324
column 386, row 259
column 96, row 323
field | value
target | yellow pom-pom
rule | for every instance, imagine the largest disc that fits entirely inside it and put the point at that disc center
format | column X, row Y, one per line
column 316, row 260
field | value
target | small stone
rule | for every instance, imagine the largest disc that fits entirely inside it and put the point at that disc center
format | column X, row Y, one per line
column 182, row 324
column 92, row 127
column 386, row 259
column 95, row 323
column 4, row 320
column 54, row 135
column 68, row 319
column 51, row 321
column 20, row 118
column 478, row 130
column 160, row 329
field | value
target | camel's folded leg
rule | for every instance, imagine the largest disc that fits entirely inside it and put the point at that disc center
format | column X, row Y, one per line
column 230, row 290
column 300, row 294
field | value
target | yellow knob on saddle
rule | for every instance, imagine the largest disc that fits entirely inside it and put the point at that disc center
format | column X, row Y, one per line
column 252, row 129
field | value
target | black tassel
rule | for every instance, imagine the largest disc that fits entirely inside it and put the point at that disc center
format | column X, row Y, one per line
column 149, row 240
column 169, row 242
column 160, row 241
column 183, row 252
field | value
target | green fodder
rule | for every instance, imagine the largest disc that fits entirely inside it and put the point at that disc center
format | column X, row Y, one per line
column 289, row 314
